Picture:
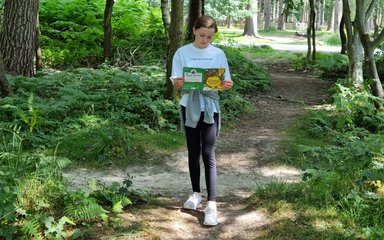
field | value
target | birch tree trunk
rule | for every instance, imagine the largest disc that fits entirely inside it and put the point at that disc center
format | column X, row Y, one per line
column 166, row 17
column 18, row 38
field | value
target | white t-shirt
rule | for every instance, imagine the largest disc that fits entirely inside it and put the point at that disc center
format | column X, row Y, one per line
column 191, row 56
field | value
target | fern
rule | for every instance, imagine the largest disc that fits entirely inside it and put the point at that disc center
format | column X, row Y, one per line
column 87, row 210
column 119, row 202
column 31, row 229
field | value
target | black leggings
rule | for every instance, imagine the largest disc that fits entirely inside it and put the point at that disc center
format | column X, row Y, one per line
column 202, row 140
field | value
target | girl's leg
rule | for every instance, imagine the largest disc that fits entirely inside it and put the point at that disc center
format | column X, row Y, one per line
column 208, row 138
column 194, row 149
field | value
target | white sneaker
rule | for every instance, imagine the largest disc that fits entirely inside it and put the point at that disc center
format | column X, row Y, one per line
column 210, row 217
column 193, row 201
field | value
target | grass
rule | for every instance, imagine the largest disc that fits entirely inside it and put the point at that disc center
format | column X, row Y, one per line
column 289, row 36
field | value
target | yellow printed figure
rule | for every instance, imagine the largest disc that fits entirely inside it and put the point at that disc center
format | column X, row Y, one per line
column 213, row 82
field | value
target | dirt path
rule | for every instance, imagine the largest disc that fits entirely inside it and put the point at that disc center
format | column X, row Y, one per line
column 245, row 157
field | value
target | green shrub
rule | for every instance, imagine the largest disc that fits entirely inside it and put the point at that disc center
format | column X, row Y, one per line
column 332, row 39
column 333, row 66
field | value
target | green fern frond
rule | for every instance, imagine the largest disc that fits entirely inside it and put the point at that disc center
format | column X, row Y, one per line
column 119, row 202
column 89, row 211
column 31, row 228
column 123, row 199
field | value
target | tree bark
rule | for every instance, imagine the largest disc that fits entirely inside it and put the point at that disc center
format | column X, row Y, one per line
column 108, row 28
column 338, row 13
column 281, row 19
column 313, row 27
column 311, row 35
column 176, row 39
column 331, row 20
column 355, row 50
column 38, row 54
column 361, row 20
column 195, row 7
column 267, row 14
column 343, row 36
column 250, row 26
column 318, row 15
column 259, row 13
column 17, row 43
column 166, row 17
column 4, row 86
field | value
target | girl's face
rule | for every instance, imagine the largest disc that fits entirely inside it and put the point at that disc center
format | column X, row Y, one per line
column 203, row 36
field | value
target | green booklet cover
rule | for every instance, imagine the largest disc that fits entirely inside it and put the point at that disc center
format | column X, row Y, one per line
column 203, row 79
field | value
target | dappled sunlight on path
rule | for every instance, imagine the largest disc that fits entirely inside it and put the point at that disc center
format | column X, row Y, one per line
column 248, row 156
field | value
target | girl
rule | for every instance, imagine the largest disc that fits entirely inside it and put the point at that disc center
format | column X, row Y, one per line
column 200, row 112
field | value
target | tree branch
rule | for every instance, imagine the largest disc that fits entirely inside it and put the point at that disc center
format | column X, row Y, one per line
column 378, row 40
column 370, row 9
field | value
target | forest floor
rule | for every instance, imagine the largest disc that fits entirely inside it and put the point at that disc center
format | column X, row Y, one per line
column 247, row 157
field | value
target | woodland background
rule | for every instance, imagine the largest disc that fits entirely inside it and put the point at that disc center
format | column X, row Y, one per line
column 85, row 83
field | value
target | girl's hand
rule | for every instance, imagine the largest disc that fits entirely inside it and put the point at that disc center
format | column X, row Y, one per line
column 227, row 84
column 178, row 83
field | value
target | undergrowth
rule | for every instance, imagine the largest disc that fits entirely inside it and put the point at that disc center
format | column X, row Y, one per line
column 340, row 151
column 102, row 117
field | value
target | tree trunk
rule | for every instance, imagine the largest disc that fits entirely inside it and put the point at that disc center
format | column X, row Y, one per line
column 17, row 43
column 38, row 54
column 338, row 13
column 304, row 15
column 362, row 16
column 323, row 13
column 259, row 13
column 194, row 13
column 313, row 26
column 309, row 49
column 376, row 26
column 318, row 15
column 4, row 86
column 176, row 39
column 267, row 14
column 311, row 36
column 274, row 9
column 281, row 19
column 108, row 28
column 250, row 27
column 331, row 20
column 228, row 22
column 166, row 17
column 355, row 49
column 356, row 57
column 343, row 36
